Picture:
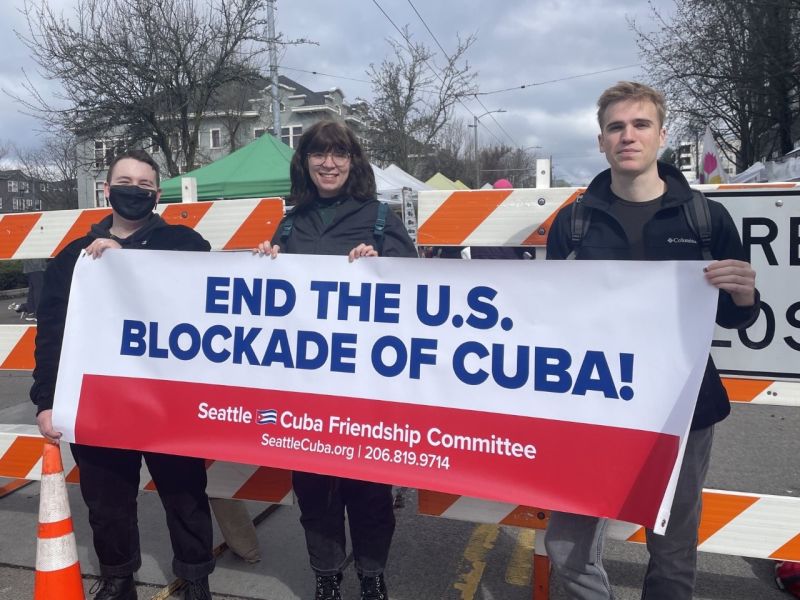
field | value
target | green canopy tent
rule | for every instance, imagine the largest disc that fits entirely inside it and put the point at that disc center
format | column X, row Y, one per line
column 258, row 170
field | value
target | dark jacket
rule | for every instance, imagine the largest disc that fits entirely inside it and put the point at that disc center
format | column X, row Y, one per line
column 52, row 315
column 352, row 224
column 667, row 236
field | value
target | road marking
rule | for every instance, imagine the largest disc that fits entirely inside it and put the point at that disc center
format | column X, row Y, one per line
column 520, row 567
column 480, row 543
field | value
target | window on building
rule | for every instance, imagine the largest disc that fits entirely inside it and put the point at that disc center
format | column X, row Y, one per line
column 685, row 149
column 216, row 138
column 99, row 196
column 17, row 204
column 258, row 132
column 154, row 147
column 1, row 203
column 24, row 187
column 685, row 161
column 28, row 203
column 105, row 150
column 291, row 135
column 43, row 186
column 13, row 186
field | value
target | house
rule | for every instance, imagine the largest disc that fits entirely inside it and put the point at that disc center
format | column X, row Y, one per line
column 238, row 116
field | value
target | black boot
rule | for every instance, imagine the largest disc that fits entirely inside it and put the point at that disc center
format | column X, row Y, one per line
column 373, row 588
column 114, row 588
column 328, row 587
column 196, row 589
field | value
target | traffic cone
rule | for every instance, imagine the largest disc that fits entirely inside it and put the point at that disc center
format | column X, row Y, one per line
column 58, row 574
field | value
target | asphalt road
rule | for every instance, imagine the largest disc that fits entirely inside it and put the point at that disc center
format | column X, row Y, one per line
column 755, row 450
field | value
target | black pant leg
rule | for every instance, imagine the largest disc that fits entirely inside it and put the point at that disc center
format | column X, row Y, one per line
column 109, row 481
column 181, row 484
column 370, row 512
column 322, row 517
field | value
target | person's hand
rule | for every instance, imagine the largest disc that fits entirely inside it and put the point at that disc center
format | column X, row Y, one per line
column 361, row 250
column 45, row 422
column 735, row 277
column 100, row 245
column 265, row 248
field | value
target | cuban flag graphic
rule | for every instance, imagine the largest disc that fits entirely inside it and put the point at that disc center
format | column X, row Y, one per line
column 266, row 416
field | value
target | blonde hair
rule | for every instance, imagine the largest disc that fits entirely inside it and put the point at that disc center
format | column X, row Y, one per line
column 631, row 90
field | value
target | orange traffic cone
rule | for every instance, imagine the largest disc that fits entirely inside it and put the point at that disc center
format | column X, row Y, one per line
column 58, row 574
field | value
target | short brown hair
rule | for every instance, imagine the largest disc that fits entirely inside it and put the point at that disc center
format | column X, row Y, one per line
column 135, row 154
column 325, row 136
column 631, row 90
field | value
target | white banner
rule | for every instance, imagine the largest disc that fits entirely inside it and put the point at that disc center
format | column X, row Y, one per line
column 483, row 378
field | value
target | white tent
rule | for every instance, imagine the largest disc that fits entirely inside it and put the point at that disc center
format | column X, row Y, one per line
column 389, row 190
column 405, row 179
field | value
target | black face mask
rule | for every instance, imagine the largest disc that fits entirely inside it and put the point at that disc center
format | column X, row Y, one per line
column 132, row 202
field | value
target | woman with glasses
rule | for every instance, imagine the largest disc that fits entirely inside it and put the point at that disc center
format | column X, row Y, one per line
column 335, row 213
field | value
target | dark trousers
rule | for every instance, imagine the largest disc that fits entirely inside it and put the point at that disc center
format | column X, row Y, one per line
column 323, row 500
column 109, row 480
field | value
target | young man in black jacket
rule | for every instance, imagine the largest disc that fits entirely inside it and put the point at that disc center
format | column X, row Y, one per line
column 110, row 476
column 635, row 211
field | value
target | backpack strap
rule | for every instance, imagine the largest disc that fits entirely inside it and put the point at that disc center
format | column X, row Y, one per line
column 380, row 227
column 698, row 215
column 286, row 228
column 579, row 225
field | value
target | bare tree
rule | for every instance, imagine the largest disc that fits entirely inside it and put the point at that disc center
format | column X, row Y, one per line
column 733, row 65
column 414, row 98
column 53, row 168
column 143, row 69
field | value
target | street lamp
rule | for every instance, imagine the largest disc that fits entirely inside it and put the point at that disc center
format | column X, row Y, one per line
column 477, row 156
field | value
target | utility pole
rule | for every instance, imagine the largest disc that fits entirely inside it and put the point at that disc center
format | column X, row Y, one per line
column 475, row 120
column 273, row 69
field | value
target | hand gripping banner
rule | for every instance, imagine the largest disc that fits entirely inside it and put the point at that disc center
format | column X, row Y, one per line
column 567, row 385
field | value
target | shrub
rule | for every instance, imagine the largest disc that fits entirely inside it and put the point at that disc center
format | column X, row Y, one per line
column 11, row 275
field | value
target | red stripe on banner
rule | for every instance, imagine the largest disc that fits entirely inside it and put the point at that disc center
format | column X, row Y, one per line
column 13, row 231
column 588, row 469
column 83, row 223
column 188, row 213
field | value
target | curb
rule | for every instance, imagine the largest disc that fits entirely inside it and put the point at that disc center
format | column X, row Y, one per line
column 18, row 293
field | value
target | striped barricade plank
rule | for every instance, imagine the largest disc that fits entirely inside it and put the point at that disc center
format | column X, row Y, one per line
column 733, row 523
column 490, row 217
column 226, row 224
column 17, row 344
column 21, row 457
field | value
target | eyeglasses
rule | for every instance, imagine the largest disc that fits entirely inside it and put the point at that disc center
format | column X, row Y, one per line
column 338, row 157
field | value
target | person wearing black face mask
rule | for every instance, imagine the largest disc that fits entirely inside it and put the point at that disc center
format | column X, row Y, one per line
column 109, row 476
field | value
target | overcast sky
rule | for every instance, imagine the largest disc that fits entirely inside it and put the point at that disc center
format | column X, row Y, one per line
column 586, row 44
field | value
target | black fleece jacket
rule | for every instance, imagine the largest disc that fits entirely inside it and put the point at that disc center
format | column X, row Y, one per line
column 667, row 236
column 353, row 223
column 51, row 317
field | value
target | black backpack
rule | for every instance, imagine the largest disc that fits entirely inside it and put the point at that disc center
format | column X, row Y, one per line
column 697, row 214
column 377, row 230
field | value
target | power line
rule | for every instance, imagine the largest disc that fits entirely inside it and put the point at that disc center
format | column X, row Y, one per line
column 540, row 83
column 435, row 72
column 325, row 74
column 447, row 56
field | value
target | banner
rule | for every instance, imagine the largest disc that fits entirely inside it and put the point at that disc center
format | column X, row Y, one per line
column 567, row 385
column 712, row 170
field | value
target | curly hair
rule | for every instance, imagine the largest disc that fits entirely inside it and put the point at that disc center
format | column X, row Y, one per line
column 327, row 136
